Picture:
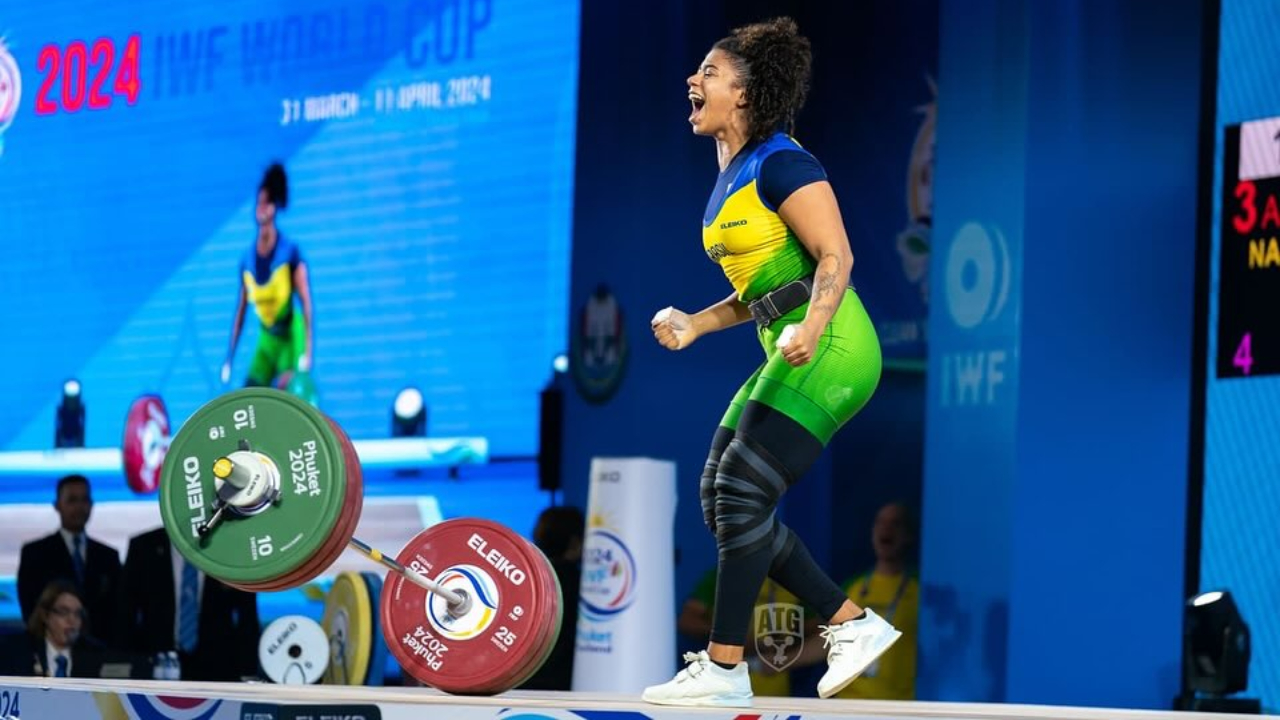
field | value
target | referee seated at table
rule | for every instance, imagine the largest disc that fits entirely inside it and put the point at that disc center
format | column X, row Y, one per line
column 56, row 642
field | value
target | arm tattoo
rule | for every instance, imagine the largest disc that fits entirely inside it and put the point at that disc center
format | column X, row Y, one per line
column 827, row 280
column 827, row 284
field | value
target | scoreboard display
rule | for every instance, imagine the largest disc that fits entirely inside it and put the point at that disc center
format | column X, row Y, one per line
column 1240, row 498
column 1249, row 252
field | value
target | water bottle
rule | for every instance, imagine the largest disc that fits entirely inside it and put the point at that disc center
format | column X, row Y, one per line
column 165, row 666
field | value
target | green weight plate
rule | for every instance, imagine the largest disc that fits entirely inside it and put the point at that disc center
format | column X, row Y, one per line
column 307, row 454
column 349, row 517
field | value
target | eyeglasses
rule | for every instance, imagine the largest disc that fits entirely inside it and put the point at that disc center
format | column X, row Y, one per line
column 66, row 612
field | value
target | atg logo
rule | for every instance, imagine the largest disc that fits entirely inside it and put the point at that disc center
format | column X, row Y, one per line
column 779, row 634
column 608, row 576
column 10, row 90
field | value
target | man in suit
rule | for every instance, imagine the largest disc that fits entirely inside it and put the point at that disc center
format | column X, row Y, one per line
column 68, row 554
column 167, row 604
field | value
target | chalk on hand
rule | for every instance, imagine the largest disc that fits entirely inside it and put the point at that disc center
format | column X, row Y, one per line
column 788, row 333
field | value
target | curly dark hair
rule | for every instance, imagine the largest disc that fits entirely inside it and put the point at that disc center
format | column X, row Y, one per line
column 772, row 60
column 276, row 183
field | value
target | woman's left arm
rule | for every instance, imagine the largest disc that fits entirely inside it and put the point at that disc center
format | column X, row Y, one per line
column 814, row 215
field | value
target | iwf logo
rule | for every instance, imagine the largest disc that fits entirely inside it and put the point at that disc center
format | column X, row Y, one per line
column 979, row 281
column 10, row 90
column 978, row 275
column 779, row 634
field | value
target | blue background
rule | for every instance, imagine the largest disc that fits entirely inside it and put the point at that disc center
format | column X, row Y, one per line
column 436, row 240
column 1053, row 551
column 1240, row 543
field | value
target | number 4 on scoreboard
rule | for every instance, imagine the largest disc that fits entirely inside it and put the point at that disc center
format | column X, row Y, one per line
column 1244, row 354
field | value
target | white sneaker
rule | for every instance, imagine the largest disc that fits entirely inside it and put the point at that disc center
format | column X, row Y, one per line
column 854, row 645
column 703, row 683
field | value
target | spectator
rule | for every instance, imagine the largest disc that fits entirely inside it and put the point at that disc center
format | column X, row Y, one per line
column 559, row 533
column 91, row 567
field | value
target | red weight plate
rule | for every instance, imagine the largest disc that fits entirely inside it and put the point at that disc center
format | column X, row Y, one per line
column 487, row 650
column 548, row 625
column 146, row 440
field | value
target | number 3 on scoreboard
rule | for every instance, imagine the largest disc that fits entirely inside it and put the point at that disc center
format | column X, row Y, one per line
column 1244, row 354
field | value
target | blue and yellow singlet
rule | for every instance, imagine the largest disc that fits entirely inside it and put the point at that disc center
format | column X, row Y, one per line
column 741, row 229
column 268, row 283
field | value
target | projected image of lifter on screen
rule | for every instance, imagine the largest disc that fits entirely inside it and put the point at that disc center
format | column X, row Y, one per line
column 274, row 276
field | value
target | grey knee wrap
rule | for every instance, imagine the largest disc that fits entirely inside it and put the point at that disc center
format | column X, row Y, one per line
column 747, row 488
column 707, row 491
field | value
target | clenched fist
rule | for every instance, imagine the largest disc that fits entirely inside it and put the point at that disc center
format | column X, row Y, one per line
column 797, row 344
column 673, row 329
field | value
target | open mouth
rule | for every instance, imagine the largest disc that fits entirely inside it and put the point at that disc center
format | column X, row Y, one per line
column 698, row 102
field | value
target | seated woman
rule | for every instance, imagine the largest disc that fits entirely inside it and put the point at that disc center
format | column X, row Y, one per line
column 56, row 637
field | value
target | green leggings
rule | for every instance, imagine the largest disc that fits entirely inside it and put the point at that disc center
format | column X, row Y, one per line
column 825, row 393
column 277, row 354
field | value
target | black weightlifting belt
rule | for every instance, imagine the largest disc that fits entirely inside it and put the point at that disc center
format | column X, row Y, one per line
column 780, row 301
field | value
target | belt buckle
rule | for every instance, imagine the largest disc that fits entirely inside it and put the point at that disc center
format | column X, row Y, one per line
column 765, row 310
column 759, row 313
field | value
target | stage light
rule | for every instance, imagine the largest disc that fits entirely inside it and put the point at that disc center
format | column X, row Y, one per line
column 409, row 414
column 551, row 426
column 1215, row 654
column 68, row 429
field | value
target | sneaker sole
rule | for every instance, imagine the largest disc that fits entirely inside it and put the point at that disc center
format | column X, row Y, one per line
column 854, row 676
column 734, row 701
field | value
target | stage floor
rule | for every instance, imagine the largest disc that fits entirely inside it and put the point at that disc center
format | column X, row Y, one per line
column 155, row 700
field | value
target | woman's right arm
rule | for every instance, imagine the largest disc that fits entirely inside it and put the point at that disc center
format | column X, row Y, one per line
column 677, row 330
column 723, row 315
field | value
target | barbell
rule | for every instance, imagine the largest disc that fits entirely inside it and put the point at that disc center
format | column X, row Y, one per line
column 263, row 492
